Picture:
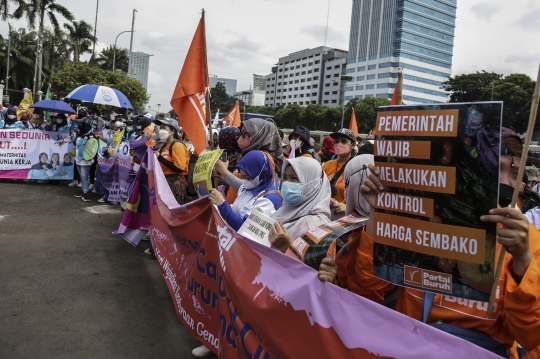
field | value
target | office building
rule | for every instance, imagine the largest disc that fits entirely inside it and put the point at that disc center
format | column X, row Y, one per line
column 312, row 76
column 140, row 65
column 415, row 35
column 230, row 84
column 251, row 97
column 259, row 82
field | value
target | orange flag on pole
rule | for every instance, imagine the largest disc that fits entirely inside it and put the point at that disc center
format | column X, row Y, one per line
column 396, row 96
column 353, row 126
column 233, row 116
column 189, row 97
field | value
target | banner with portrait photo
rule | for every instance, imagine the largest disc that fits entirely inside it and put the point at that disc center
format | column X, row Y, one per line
column 35, row 154
column 115, row 174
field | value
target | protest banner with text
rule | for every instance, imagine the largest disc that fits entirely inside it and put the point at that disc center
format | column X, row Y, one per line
column 115, row 173
column 440, row 168
column 202, row 174
column 35, row 154
column 245, row 300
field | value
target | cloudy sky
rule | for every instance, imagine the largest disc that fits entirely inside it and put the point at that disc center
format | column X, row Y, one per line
column 247, row 37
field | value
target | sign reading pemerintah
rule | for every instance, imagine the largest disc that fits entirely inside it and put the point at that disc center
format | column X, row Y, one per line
column 440, row 167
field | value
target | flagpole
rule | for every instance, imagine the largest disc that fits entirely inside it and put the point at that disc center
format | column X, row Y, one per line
column 528, row 137
column 206, row 85
column 400, row 86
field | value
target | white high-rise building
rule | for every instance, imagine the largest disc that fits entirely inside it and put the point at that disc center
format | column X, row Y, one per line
column 140, row 65
column 312, row 76
column 415, row 35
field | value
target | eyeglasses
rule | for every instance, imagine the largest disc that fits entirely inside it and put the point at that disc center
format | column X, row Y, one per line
column 342, row 140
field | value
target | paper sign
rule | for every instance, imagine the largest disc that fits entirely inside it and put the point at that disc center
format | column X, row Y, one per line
column 439, row 165
column 257, row 227
column 202, row 174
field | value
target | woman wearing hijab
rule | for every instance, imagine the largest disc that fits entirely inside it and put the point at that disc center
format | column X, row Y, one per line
column 83, row 133
column 228, row 141
column 37, row 122
column 306, row 193
column 11, row 119
column 257, row 190
column 59, row 123
column 67, row 166
column 255, row 134
column 328, row 151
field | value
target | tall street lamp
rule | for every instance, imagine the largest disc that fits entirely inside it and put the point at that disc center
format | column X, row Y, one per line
column 114, row 51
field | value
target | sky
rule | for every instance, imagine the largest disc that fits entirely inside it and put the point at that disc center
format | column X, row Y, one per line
column 246, row 37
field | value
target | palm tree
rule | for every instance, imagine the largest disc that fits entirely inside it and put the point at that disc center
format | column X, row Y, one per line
column 81, row 37
column 56, row 50
column 17, row 14
column 21, row 65
column 38, row 9
column 107, row 57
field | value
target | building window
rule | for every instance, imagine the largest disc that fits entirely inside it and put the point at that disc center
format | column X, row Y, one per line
column 325, row 101
column 296, row 89
column 315, row 78
column 308, row 87
column 285, row 76
column 297, row 66
column 327, row 93
column 315, row 86
column 301, row 95
column 360, row 96
column 295, row 96
column 361, row 68
column 279, row 77
column 313, row 102
column 349, row 88
column 327, row 85
column 278, row 90
column 316, row 70
column 286, row 68
column 301, row 102
column 359, row 87
column 280, row 70
column 303, row 80
column 360, row 78
column 313, row 94
column 296, row 81
column 337, row 66
column 334, row 92
column 318, row 61
column 372, row 67
column 279, row 83
column 350, row 71
column 303, row 72
column 301, row 88
column 334, row 101
column 370, row 87
column 336, row 75
column 335, row 83
column 328, row 76
column 310, row 64
column 290, row 96
column 304, row 65
column 284, row 90
column 371, row 77
column 329, row 68
column 297, row 74
column 290, row 82
column 307, row 95
column 309, row 71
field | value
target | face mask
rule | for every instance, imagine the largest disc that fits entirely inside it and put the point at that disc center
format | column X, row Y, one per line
column 119, row 124
column 342, row 149
column 251, row 184
column 129, row 128
column 37, row 116
column 59, row 120
column 292, row 192
column 163, row 134
column 12, row 117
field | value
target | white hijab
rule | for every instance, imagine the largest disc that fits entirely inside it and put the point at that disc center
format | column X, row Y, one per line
column 354, row 175
column 317, row 192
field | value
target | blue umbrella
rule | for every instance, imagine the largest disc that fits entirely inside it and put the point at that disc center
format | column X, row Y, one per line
column 100, row 95
column 53, row 106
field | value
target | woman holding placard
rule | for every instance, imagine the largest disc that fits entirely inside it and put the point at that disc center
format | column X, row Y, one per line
column 306, row 193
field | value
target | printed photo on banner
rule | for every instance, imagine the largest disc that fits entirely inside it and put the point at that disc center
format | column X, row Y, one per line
column 440, row 167
column 35, row 154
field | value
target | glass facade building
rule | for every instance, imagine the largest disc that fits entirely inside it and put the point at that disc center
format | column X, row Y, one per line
column 140, row 66
column 416, row 35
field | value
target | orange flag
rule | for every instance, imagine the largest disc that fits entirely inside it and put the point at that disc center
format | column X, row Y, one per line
column 189, row 97
column 396, row 96
column 353, row 126
column 234, row 116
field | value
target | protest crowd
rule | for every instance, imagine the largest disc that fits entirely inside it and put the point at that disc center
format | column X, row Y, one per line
column 300, row 186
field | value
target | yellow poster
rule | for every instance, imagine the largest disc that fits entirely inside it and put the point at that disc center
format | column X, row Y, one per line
column 115, row 143
column 202, row 174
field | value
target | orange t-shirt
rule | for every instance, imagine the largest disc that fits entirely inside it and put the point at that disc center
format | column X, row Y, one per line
column 179, row 156
column 517, row 306
column 331, row 168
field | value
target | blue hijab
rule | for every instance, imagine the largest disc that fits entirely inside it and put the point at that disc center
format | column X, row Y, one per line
column 256, row 163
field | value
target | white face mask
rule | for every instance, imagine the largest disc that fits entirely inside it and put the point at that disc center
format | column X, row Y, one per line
column 251, row 184
column 59, row 120
column 119, row 124
column 12, row 117
column 37, row 116
column 129, row 128
column 163, row 134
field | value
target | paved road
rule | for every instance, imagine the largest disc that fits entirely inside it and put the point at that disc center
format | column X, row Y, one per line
column 70, row 289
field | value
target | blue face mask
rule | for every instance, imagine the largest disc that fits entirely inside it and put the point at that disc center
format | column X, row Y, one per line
column 292, row 192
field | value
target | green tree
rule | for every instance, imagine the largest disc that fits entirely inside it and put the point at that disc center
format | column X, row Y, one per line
column 515, row 90
column 21, row 63
column 366, row 112
column 266, row 110
column 81, row 37
column 75, row 74
column 315, row 118
column 290, row 116
column 56, row 51
column 219, row 100
column 4, row 9
column 108, row 56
